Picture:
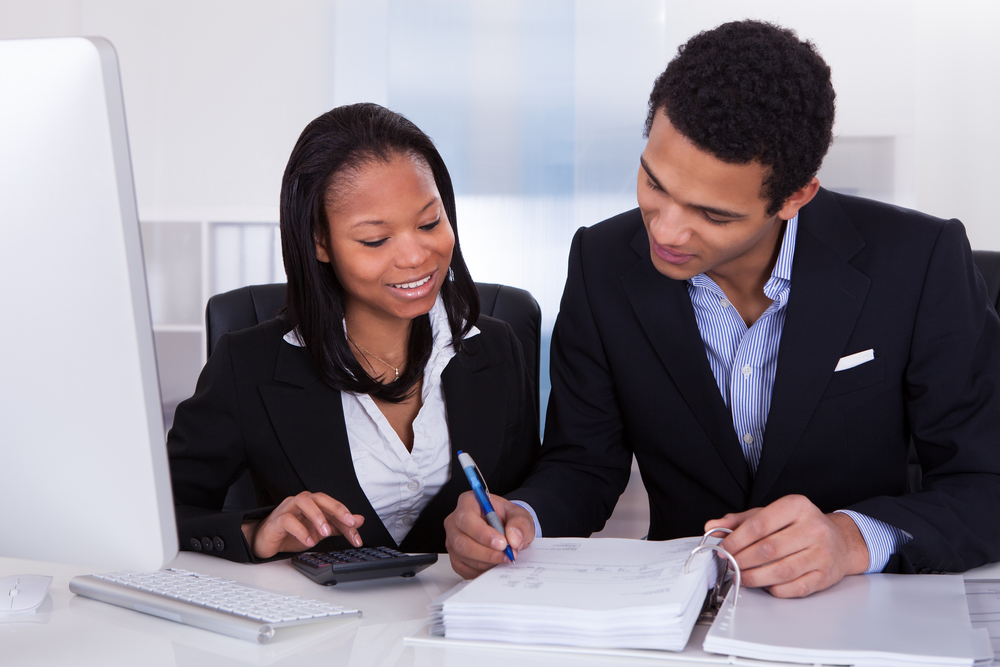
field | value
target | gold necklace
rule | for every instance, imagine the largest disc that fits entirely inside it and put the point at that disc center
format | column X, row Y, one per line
column 367, row 351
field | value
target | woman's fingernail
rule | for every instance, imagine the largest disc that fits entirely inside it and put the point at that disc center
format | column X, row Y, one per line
column 325, row 530
column 348, row 520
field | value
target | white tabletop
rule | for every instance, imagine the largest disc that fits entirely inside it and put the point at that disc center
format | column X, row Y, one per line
column 71, row 630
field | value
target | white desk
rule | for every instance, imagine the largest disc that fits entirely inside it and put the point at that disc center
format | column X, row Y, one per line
column 70, row 630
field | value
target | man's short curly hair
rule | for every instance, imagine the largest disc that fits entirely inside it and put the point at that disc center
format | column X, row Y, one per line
column 751, row 90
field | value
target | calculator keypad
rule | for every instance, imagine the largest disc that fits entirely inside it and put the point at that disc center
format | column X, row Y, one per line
column 359, row 555
column 330, row 567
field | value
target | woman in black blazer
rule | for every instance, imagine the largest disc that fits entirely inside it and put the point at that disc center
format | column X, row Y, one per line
column 349, row 407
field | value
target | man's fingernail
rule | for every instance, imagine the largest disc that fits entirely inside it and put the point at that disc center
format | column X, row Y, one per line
column 498, row 544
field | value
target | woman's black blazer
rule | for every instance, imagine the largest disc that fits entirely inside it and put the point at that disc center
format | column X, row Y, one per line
column 261, row 404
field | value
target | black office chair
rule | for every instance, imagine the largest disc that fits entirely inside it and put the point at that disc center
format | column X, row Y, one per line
column 988, row 263
column 247, row 306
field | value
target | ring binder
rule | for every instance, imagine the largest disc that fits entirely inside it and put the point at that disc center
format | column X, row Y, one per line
column 717, row 597
column 619, row 597
column 705, row 537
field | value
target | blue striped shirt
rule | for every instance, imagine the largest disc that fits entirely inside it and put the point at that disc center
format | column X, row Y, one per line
column 744, row 361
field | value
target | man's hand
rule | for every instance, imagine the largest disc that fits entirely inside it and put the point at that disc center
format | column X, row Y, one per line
column 301, row 521
column 473, row 545
column 791, row 548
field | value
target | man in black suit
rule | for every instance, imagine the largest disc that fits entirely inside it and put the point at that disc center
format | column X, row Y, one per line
column 765, row 348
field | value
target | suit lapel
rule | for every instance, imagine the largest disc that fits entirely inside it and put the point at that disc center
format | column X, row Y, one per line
column 477, row 410
column 664, row 309
column 477, row 415
column 826, row 299
column 308, row 418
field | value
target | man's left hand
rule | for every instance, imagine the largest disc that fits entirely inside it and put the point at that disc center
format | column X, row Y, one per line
column 791, row 548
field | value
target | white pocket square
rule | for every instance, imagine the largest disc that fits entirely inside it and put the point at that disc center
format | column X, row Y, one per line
column 856, row 359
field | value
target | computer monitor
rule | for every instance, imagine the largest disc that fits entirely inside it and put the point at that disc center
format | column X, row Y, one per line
column 83, row 468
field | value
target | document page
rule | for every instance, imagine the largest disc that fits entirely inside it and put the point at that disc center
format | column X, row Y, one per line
column 873, row 619
column 594, row 574
column 983, row 597
column 587, row 592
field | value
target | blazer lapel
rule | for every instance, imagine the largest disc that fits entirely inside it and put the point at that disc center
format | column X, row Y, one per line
column 826, row 299
column 477, row 415
column 477, row 410
column 308, row 418
column 664, row 309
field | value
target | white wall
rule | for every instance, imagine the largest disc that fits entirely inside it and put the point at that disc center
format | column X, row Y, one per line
column 956, row 127
column 217, row 91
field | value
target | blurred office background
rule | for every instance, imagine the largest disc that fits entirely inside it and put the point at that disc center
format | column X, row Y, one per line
column 536, row 105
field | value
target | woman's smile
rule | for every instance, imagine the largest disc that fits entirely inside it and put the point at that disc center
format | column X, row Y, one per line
column 416, row 289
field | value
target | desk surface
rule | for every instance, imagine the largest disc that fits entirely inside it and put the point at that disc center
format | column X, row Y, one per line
column 71, row 630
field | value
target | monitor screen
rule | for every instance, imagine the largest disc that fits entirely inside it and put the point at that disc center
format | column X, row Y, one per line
column 83, row 468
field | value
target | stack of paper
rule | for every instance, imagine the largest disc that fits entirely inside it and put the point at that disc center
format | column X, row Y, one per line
column 983, row 596
column 876, row 619
column 588, row 593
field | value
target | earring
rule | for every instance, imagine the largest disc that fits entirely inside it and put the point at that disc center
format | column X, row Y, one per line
column 451, row 274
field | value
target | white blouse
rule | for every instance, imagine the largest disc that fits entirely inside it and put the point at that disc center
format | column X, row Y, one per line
column 398, row 483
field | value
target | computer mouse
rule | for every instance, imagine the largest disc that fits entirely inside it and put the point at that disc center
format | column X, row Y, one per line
column 23, row 593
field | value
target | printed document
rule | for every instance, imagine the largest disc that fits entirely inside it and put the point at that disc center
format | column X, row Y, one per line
column 587, row 592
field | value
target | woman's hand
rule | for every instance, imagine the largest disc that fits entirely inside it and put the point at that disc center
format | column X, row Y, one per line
column 301, row 521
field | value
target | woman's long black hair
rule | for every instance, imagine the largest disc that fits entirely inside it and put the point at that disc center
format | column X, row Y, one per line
column 334, row 143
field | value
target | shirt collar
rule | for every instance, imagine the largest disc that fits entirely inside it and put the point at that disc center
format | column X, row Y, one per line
column 776, row 288
column 441, row 327
column 783, row 267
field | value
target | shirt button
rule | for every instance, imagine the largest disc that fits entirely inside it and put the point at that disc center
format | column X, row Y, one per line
column 747, row 370
column 407, row 521
column 748, row 438
column 724, row 303
column 413, row 486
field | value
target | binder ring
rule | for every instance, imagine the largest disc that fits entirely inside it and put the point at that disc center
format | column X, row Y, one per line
column 732, row 562
column 714, row 530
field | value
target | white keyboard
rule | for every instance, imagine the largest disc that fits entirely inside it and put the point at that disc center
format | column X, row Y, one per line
column 207, row 602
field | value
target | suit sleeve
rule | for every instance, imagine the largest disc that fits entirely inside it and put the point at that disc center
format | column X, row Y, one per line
column 952, row 394
column 205, row 447
column 585, row 461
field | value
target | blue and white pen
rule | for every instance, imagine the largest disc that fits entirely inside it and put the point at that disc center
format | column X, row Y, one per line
column 478, row 485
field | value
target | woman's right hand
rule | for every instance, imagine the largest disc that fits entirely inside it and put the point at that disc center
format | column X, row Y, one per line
column 301, row 521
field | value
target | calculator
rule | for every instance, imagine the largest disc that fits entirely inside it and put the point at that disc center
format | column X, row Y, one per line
column 333, row 567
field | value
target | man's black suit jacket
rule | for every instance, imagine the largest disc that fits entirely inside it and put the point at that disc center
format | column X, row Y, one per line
column 260, row 404
column 630, row 375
